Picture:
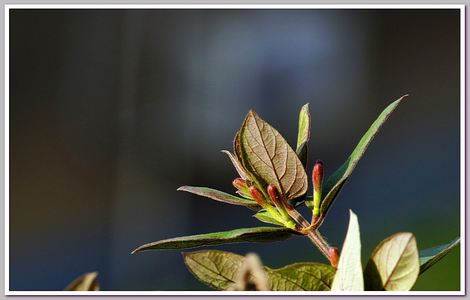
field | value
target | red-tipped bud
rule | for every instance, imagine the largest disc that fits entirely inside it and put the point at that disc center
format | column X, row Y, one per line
column 256, row 194
column 333, row 252
column 317, row 175
column 273, row 194
column 239, row 183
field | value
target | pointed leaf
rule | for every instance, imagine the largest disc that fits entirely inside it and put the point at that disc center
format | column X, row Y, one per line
column 301, row 277
column 237, row 164
column 336, row 181
column 265, row 217
column 86, row 282
column 428, row 257
column 349, row 274
column 255, row 234
column 303, row 135
column 270, row 159
column 394, row 264
column 217, row 269
column 220, row 196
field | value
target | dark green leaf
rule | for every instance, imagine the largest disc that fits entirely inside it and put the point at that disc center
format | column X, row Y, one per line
column 217, row 269
column 220, row 196
column 428, row 257
column 86, row 282
column 336, row 181
column 270, row 159
column 255, row 234
column 303, row 135
column 265, row 217
column 301, row 277
column 349, row 275
column 394, row 264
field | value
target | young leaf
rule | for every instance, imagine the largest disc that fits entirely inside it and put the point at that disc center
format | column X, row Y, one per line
column 86, row 282
column 217, row 269
column 265, row 217
column 336, row 181
column 394, row 264
column 428, row 257
column 270, row 159
column 349, row 274
column 255, row 234
column 220, row 196
column 303, row 135
column 237, row 164
column 301, row 277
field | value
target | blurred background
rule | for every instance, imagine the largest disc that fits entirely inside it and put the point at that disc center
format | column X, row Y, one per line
column 112, row 110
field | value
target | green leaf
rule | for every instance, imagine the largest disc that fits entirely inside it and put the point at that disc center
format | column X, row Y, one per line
column 220, row 196
column 394, row 264
column 270, row 159
column 219, row 270
column 301, row 277
column 349, row 274
column 336, row 181
column 255, row 234
column 265, row 217
column 428, row 257
column 303, row 135
column 86, row 282
column 237, row 164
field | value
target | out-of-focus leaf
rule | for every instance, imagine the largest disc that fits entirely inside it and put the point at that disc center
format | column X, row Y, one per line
column 220, row 196
column 336, row 181
column 349, row 274
column 86, row 282
column 237, row 164
column 265, row 217
column 219, row 269
column 301, row 277
column 394, row 264
column 303, row 135
column 270, row 159
column 428, row 257
column 255, row 234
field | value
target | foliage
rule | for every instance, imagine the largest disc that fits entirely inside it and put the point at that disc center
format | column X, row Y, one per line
column 272, row 183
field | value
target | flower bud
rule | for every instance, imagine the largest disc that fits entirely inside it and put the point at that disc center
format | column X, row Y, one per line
column 274, row 195
column 256, row 194
column 317, row 176
column 240, row 184
column 333, row 252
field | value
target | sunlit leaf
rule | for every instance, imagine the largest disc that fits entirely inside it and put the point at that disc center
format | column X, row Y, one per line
column 219, row 269
column 269, row 158
column 336, row 181
column 394, row 264
column 236, row 163
column 86, row 282
column 349, row 274
column 303, row 135
column 428, row 257
column 220, row 196
column 255, row 234
column 265, row 217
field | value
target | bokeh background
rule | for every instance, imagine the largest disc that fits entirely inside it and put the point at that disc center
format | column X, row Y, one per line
column 112, row 110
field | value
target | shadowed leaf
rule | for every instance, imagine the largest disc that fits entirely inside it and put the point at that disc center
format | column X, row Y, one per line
column 86, row 282
column 394, row 264
column 255, row 234
column 428, row 257
column 303, row 135
column 336, row 181
column 220, row 196
column 349, row 274
column 269, row 158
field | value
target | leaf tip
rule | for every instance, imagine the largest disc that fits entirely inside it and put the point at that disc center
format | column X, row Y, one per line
column 182, row 188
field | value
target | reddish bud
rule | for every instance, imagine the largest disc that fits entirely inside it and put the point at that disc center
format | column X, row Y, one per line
column 256, row 194
column 273, row 194
column 317, row 175
column 239, row 183
column 333, row 252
